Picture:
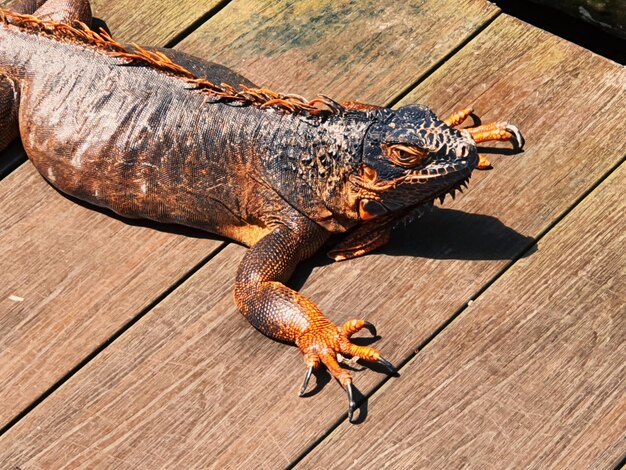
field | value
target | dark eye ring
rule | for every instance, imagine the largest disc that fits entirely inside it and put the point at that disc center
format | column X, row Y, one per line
column 404, row 155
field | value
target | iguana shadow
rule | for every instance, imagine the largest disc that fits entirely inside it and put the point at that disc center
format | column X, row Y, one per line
column 438, row 234
column 174, row 229
column 442, row 234
column 452, row 234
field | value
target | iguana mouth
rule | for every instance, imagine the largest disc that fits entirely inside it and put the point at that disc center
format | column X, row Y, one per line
column 459, row 186
column 443, row 169
column 418, row 209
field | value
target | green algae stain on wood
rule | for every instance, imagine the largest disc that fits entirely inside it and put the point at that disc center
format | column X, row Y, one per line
column 337, row 45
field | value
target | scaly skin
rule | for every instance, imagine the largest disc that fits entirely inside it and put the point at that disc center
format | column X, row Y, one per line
column 181, row 140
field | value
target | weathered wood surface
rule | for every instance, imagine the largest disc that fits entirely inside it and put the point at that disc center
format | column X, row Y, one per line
column 531, row 375
column 58, row 325
column 151, row 22
column 70, row 280
column 338, row 47
column 192, row 383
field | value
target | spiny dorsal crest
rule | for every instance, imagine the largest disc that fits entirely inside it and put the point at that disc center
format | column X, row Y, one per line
column 79, row 32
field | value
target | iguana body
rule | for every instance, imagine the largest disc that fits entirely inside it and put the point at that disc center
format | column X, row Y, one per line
column 129, row 129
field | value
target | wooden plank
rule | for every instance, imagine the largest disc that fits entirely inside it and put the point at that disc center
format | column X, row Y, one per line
column 151, row 22
column 71, row 278
column 192, row 383
column 57, row 325
column 530, row 376
column 279, row 45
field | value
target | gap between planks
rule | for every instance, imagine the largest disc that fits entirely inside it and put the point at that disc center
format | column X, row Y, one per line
column 123, row 329
column 196, row 24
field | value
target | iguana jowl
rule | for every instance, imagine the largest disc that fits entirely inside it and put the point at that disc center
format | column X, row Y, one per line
column 172, row 138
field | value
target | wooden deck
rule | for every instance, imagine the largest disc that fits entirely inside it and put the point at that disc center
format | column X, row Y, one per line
column 120, row 345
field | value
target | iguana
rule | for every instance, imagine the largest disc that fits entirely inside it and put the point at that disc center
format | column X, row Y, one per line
column 162, row 135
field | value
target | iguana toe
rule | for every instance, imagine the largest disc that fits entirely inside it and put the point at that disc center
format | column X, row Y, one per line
column 497, row 131
column 323, row 343
column 457, row 118
column 516, row 136
column 307, row 377
column 388, row 365
column 351, row 402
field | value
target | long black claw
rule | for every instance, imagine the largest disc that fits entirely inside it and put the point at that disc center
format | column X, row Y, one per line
column 518, row 137
column 371, row 328
column 387, row 364
column 351, row 404
column 307, row 377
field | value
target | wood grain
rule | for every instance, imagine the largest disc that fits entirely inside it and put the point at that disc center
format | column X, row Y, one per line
column 338, row 47
column 531, row 375
column 80, row 287
column 151, row 22
column 193, row 384
column 71, row 277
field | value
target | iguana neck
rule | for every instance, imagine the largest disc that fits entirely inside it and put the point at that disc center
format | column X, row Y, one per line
column 309, row 160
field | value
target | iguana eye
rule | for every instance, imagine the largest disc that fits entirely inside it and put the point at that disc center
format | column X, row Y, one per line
column 404, row 155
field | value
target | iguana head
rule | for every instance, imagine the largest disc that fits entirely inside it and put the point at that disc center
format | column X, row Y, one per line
column 410, row 157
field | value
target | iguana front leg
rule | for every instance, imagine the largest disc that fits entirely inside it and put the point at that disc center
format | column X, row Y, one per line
column 286, row 315
column 374, row 233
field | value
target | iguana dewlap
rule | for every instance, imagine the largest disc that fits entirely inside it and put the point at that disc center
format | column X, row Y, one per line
column 166, row 136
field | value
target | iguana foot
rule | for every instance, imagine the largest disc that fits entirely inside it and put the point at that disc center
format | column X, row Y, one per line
column 323, row 341
column 497, row 131
column 486, row 132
